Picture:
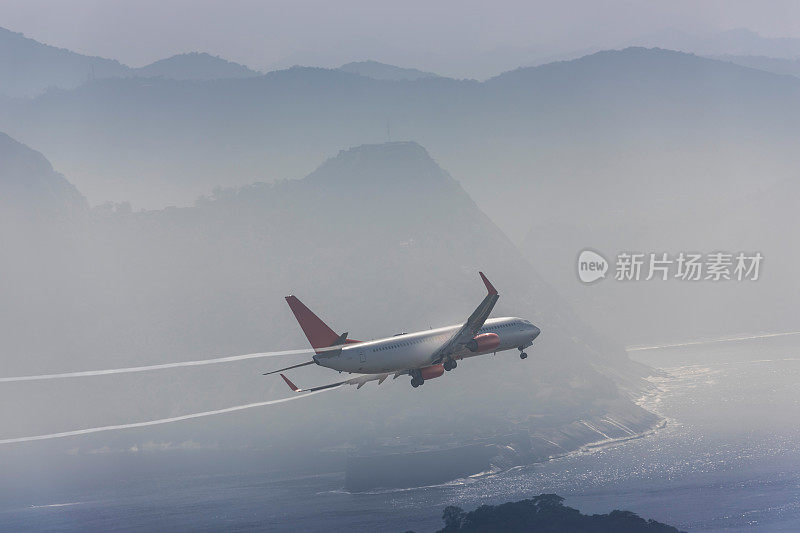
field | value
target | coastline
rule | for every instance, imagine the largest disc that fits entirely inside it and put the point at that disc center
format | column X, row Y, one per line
column 621, row 422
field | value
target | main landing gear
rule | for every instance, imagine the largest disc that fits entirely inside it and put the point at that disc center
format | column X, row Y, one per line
column 416, row 378
column 450, row 364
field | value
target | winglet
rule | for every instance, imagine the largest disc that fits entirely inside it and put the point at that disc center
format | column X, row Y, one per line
column 291, row 385
column 489, row 286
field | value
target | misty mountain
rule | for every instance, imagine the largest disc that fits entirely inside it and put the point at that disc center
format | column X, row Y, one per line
column 30, row 187
column 737, row 42
column 776, row 65
column 194, row 66
column 382, row 71
column 559, row 125
column 537, row 131
column 394, row 243
column 619, row 141
column 28, row 67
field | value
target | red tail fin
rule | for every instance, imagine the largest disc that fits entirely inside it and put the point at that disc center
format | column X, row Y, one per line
column 317, row 332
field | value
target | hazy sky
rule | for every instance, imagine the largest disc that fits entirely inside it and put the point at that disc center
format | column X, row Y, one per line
column 261, row 34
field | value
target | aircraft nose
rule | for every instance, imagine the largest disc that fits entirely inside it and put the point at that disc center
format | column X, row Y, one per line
column 535, row 332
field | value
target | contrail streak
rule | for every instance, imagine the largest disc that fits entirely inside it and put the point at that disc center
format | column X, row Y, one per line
column 149, row 368
column 155, row 422
column 711, row 341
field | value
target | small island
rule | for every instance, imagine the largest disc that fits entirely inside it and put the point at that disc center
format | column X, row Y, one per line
column 546, row 513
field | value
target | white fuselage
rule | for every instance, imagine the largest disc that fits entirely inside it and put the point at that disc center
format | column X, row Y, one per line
column 416, row 350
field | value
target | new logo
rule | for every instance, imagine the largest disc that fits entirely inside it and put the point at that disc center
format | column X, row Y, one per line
column 591, row 266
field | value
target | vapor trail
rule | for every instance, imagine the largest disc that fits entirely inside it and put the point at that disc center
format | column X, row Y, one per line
column 155, row 422
column 711, row 341
column 148, row 368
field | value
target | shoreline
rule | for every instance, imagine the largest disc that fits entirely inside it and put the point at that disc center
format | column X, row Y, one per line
column 651, row 396
column 615, row 427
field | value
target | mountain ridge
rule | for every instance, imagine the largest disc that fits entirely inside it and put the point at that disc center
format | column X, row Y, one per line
column 384, row 71
column 544, row 108
column 29, row 67
column 28, row 182
column 195, row 66
column 736, row 41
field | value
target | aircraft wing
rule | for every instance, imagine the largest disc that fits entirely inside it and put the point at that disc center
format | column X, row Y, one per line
column 359, row 381
column 471, row 326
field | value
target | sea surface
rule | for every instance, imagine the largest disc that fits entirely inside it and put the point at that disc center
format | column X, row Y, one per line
column 727, row 459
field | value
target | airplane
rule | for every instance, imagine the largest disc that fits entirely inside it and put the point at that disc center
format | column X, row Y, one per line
column 423, row 355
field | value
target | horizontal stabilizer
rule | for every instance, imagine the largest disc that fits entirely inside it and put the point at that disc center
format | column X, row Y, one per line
column 288, row 368
column 295, row 388
column 291, row 385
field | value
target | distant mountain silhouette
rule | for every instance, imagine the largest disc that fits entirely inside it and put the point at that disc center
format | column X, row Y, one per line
column 30, row 186
column 776, row 65
column 675, row 98
column 545, row 512
column 382, row 71
column 195, row 66
column 613, row 97
column 28, row 67
column 738, row 41
column 576, row 144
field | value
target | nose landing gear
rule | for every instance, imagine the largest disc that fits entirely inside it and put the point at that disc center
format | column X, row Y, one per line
column 416, row 379
column 522, row 354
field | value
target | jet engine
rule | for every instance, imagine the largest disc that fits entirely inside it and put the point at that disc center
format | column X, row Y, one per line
column 485, row 342
column 430, row 372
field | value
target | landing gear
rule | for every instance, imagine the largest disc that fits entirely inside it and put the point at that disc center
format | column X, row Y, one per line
column 450, row 364
column 522, row 355
column 416, row 379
